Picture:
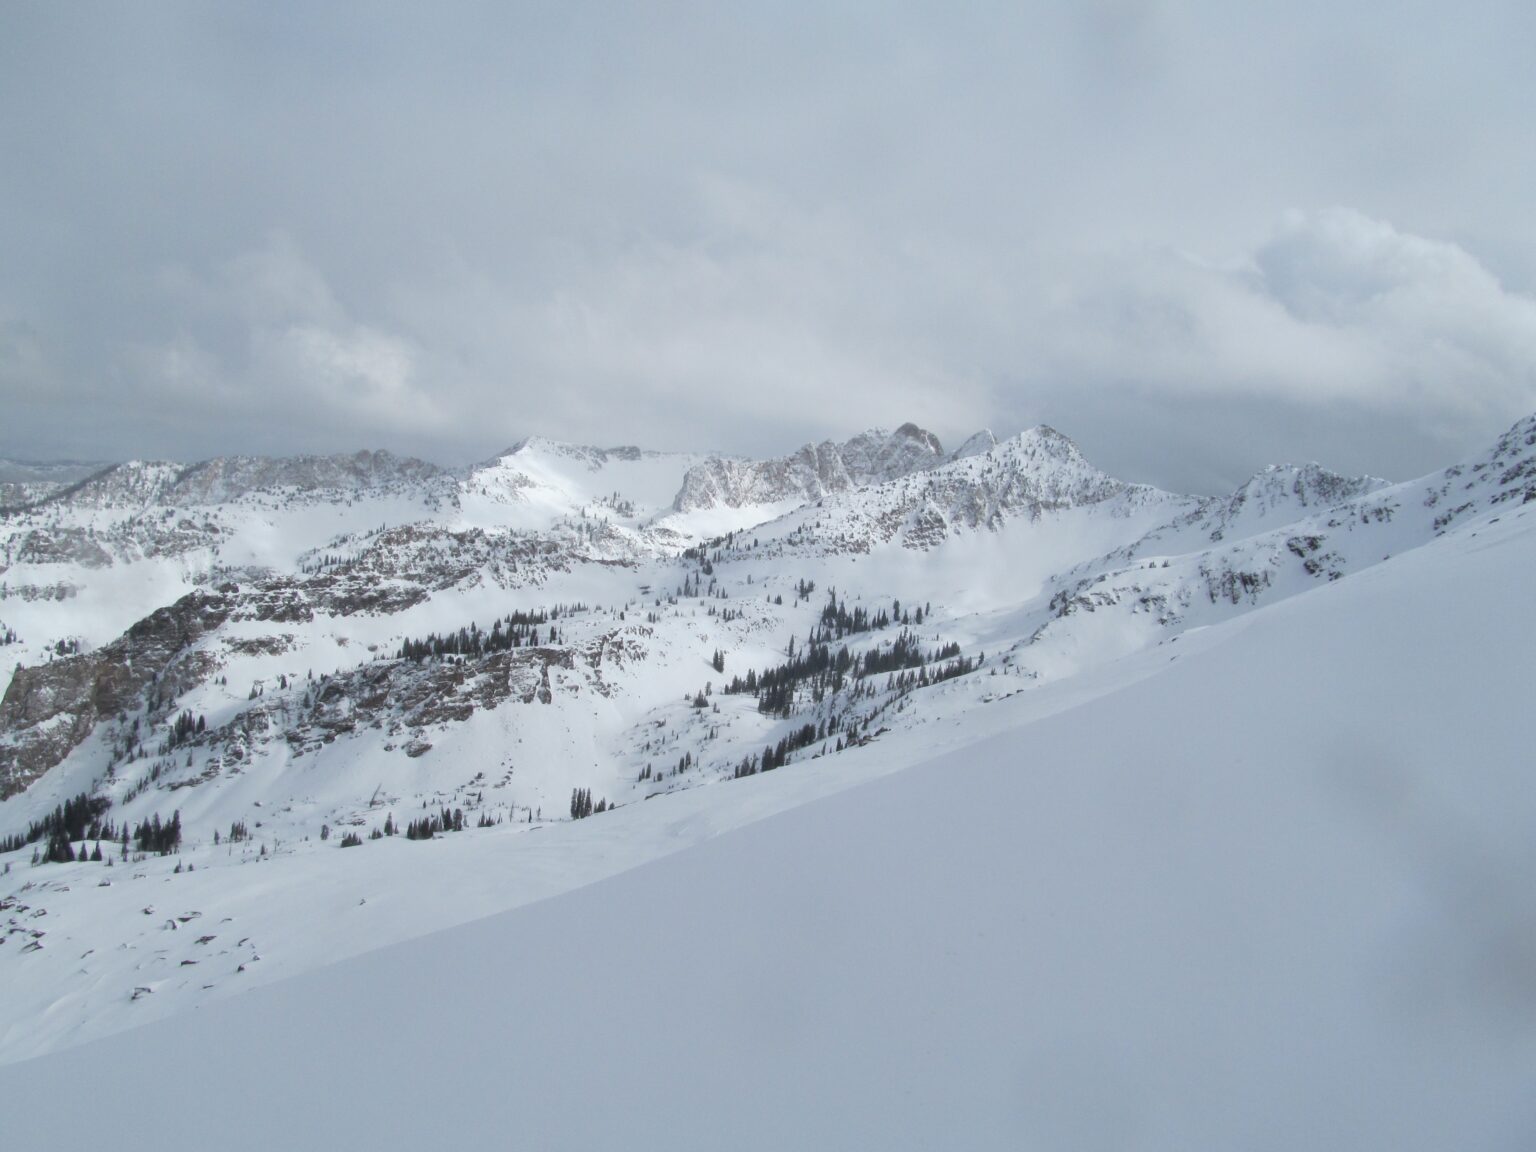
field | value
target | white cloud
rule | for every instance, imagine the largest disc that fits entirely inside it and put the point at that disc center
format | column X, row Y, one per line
column 271, row 340
column 274, row 283
column 1335, row 308
column 747, row 230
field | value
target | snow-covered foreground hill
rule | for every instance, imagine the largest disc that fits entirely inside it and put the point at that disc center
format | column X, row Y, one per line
column 1263, row 886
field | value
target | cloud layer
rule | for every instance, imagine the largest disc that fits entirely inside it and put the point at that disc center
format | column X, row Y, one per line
column 287, row 230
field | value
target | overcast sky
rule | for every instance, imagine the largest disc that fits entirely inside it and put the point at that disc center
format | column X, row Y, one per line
column 1196, row 237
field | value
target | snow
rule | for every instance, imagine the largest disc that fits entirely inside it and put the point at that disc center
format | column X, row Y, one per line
column 1262, row 888
column 1219, row 846
column 540, row 481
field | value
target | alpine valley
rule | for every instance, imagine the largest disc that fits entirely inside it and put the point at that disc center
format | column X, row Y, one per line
column 1244, row 779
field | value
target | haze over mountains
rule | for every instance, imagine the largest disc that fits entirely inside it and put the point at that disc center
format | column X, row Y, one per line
column 566, row 662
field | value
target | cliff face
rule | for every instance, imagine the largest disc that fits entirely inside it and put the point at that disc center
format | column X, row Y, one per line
column 221, row 479
column 815, row 471
column 50, row 709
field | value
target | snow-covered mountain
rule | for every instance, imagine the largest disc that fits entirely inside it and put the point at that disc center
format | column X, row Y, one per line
column 816, row 470
column 277, row 657
column 23, row 483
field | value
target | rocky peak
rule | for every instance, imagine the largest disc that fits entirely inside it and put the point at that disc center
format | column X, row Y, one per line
column 877, row 455
column 812, row 472
column 1286, row 489
column 978, row 444
column 225, row 479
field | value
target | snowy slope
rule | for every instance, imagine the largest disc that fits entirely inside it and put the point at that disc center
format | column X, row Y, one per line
column 1018, row 575
column 23, row 483
column 1262, row 889
column 537, row 482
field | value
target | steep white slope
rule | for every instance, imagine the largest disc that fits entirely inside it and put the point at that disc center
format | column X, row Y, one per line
column 1286, row 530
column 538, row 482
column 1279, row 495
column 1269, row 895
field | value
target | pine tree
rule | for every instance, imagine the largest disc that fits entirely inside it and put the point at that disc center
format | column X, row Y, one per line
column 60, row 850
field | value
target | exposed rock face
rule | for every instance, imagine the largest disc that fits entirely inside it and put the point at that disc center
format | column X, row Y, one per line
column 229, row 477
column 877, row 456
column 50, row 709
column 1283, row 529
column 400, row 698
column 58, row 546
column 815, row 471
column 224, row 479
column 1283, row 492
column 1033, row 473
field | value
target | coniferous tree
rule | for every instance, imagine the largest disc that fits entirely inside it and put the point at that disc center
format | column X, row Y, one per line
column 60, row 850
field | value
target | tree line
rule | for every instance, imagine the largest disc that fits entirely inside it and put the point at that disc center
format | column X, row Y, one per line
column 516, row 630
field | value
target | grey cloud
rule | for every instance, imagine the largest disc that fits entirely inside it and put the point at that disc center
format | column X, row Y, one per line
column 269, row 228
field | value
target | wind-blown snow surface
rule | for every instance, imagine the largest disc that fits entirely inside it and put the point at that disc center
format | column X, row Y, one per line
column 1265, row 887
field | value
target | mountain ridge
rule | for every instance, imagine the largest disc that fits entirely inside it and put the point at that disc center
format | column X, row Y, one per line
column 547, row 627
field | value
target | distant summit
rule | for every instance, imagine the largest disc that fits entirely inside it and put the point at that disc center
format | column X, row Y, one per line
column 815, row 471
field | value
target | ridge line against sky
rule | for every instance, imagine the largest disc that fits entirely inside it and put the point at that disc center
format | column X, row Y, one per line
column 1196, row 239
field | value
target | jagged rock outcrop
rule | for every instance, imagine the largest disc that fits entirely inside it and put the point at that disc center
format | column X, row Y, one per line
column 224, row 479
column 1036, row 472
column 49, row 710
column 228, row 478
column 1283, row 492
column 815, row 471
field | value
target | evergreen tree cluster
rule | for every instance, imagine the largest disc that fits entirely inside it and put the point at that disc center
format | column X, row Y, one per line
column 61, row 851
column 184, row 728
column 693, row 586
column 7, row 636
column 819, row 669
column 581, row 804
column 61, row 828
column 817, row 665
column 517, row 630
column 700, row 555
column 906, row 651
column 837, row 621
column 78, row 818
column 777, row 755
column 430, row 825
column 157, row 836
